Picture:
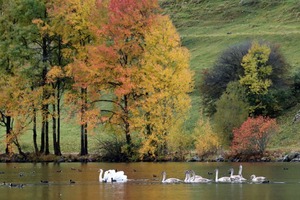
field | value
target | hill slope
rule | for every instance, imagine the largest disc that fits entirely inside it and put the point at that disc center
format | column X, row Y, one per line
column 208, row 27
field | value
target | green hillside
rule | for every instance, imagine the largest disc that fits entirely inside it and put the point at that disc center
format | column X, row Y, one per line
column 208, row 27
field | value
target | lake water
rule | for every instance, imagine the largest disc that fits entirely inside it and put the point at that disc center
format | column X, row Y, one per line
column 145, row 181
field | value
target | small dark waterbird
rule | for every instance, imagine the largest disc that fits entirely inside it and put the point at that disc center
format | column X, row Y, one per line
column 44, row 181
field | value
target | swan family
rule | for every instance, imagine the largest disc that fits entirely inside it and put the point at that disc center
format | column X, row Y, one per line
column 190, row 177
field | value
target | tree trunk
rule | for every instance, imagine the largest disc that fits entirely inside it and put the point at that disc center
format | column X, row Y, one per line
column 45, row 130
column 127, row 125
column 58, row 151
column 42, row 148
column 84, row 147
column 35, row 133
column 54, row 129
column 16, row 142
column 8, row 132
column 45, row 106
column 47, row 152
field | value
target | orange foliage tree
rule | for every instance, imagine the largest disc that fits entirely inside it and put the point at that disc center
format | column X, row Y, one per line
column 253, row 135
column 142, row 73
column 116, row 61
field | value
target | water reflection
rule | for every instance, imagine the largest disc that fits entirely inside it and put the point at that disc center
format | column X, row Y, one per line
column 145, row 182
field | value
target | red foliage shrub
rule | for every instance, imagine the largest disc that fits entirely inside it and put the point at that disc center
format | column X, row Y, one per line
column 253, row 135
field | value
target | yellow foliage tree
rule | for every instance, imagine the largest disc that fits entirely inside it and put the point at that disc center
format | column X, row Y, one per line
column 256, row 70
column 179, row 141
column 17, row 105
column 256, row 76
column 207, row 141
column 164, row 83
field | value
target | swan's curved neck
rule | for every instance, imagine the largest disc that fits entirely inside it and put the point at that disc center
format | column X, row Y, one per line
column 217, row 175
column 240, row 170
column 100, row 175
column 231, row 172
column 164, row 177
column 186, row 177
column 193, row 176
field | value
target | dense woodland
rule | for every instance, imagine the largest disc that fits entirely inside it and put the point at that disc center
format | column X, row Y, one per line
column 119, row 67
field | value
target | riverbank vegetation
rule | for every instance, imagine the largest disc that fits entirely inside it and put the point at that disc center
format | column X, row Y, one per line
column 146, row 80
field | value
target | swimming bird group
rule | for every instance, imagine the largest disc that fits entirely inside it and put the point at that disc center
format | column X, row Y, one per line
column 191, row 177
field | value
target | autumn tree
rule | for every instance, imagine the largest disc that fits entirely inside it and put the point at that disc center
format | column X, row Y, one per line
column 179, row 142
column 253, row 135
column 257, row 75
column 165, row 80
column 228, row 68
column 117, row 61
column 73, row 21
column 16, row 108
column 256, row 70
column 207, row 141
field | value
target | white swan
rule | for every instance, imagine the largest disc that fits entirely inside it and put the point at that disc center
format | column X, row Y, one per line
column 235, row 178
column 120, row 178
column 240, row 173
column 199, row 179
column 112, row 176
column 106, row 176
column 195, row 175
column 116, row 176
column 258, row 179
column 169, row 180
column 225, row 179
column 187, row 176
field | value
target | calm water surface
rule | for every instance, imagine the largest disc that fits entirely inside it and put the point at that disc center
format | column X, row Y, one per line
column 145, row 182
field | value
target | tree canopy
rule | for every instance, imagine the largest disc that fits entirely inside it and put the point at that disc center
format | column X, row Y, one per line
column 120, row 62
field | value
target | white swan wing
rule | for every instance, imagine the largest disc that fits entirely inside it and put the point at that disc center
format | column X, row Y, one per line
column 118, row 175
column 201, row 180
column 121, row 179
column 105, row 176
column 259, row 179
column 172, row 180
column 224, row 179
